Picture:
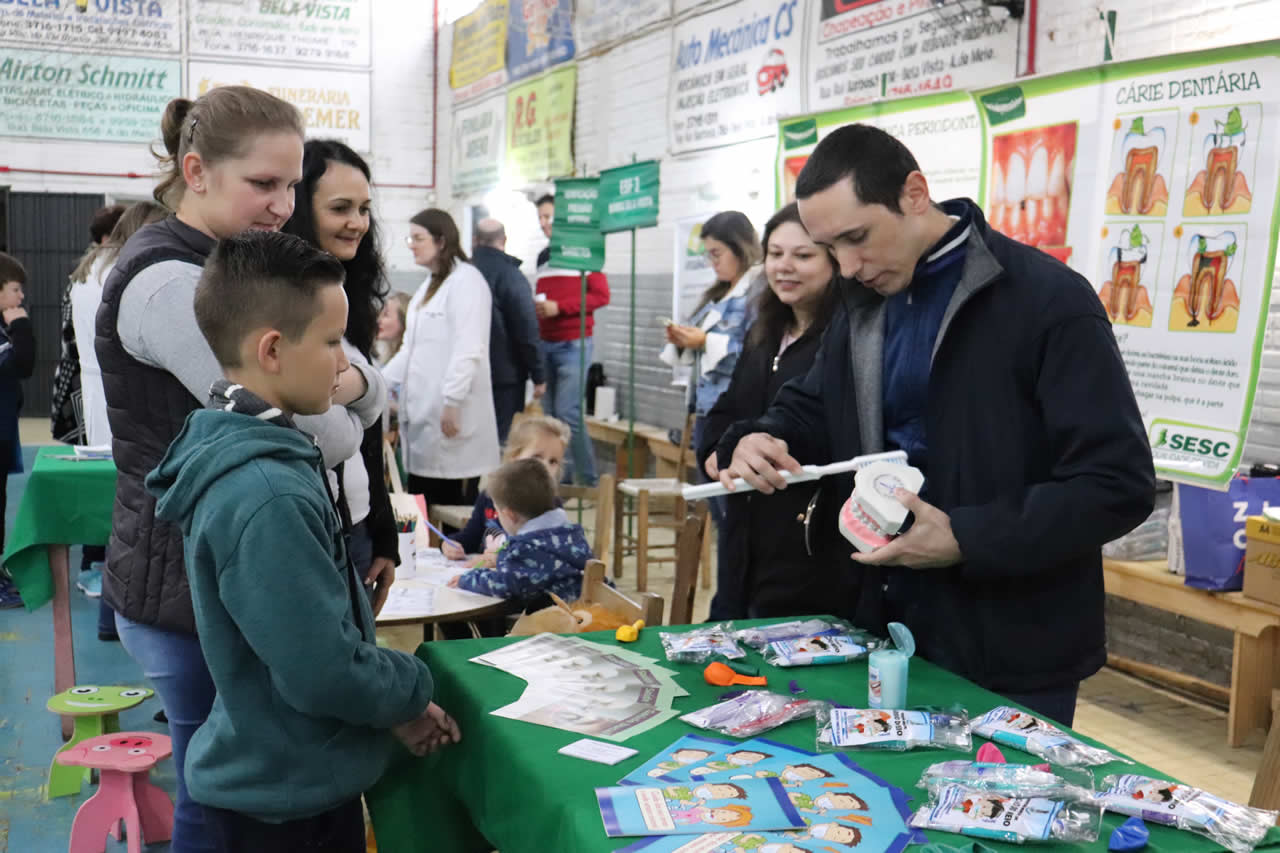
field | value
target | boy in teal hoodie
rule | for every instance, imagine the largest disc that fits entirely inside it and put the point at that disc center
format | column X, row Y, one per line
column 308, row 707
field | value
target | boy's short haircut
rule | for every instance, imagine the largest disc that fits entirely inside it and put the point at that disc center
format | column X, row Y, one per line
column 11, row 270
column 261, row 279
column 545, row 198
column 524, row 487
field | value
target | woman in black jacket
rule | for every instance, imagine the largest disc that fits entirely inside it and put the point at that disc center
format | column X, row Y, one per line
column 333, row 210
column 783, row 555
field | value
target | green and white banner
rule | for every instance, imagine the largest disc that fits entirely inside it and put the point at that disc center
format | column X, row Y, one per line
column 85, row 96
column 479, row 144
column 629, row 197
column 1156, row 180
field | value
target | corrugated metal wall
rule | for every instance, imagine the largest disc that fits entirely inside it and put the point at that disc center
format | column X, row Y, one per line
column 47, row 232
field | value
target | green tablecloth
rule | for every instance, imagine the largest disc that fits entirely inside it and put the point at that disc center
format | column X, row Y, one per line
column 505, row 787
column 65, row 503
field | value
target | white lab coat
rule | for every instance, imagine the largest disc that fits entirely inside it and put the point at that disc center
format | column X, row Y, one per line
column 86, row 297
column 445, row 357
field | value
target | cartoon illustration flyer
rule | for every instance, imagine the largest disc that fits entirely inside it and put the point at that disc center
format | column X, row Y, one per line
column 1157, row 181
column 840, row 804
column 749, row 804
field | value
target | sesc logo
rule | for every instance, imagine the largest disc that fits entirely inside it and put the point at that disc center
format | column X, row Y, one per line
column 1182, row 441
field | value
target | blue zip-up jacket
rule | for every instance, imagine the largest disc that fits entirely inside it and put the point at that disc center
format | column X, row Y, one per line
column 547, row 555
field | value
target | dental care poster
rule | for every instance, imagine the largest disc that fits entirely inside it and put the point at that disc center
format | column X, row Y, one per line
column 1157, row 181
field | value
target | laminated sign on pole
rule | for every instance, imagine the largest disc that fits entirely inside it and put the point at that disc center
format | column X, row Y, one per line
column 629, row 200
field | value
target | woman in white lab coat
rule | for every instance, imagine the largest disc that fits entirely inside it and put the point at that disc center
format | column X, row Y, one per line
column 449, row 433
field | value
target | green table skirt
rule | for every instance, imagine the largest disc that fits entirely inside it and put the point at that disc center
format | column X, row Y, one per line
column 65, row 503
column 505, row 787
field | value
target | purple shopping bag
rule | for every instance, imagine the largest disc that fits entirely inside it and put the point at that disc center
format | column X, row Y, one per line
column 1213, row 536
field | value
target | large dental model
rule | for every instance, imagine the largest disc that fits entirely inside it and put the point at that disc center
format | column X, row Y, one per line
column 873, row 516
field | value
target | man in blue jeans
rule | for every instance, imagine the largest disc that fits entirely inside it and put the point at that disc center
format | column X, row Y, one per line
column 560, row 308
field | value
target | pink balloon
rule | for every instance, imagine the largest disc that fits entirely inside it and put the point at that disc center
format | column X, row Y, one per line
column 990, row 754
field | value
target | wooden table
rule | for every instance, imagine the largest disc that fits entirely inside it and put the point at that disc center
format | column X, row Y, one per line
column 454, row 515
column 650, row 441
column 447, row 603
column 1255, row 664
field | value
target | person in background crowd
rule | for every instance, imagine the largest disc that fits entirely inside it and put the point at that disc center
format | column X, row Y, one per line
column 560, row 314
column 391, row 321
column 66, row 408
column 67, row 419
column 86, row 296
column 995, row 368
column 231, row 160
column 712, row 339
column 17, row 362
column 780, row 554
column 448, row 431
column 534, row 437
column 546, row 205
column 514, row 355
column 333, row 209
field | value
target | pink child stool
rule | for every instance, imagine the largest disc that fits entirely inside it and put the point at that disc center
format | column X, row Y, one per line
column 125, row 793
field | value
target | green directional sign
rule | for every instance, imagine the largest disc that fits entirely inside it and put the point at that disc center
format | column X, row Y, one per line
column 577, row 247
column 576, row 202
column 629, row 197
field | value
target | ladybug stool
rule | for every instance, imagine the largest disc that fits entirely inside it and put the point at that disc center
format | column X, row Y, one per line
column 125, row 793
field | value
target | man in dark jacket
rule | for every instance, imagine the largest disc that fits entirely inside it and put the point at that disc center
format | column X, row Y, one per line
column 994, row 366
column 514, row 353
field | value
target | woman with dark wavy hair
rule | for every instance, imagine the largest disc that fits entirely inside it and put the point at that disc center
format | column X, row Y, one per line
column 333, row 210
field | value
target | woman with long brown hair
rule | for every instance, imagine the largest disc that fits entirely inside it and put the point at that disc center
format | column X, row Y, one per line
column 231, row 160
column 448, row 428
column 777, row 557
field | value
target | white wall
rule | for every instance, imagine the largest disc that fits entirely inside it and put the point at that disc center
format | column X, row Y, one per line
column 621, row 111
column 402, row 140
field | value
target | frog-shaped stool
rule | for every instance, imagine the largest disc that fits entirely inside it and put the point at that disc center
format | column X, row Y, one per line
column 125, row 794
column 97, row 712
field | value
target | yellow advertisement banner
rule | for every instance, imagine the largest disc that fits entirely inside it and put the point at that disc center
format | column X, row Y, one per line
column 540, row 127
column 479, row 44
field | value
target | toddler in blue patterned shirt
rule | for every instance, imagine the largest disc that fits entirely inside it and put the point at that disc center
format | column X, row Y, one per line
column 544, row 552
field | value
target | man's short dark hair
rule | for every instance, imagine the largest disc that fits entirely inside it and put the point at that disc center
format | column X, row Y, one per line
column 261, row 279
column 876, row 161
column 523, row 486
column 546, row 198
column 11, row 270
column 104, row 221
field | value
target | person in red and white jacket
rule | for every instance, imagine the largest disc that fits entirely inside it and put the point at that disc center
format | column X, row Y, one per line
column 560, row 307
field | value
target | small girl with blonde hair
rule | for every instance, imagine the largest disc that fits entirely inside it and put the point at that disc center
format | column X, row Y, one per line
column 534, row 437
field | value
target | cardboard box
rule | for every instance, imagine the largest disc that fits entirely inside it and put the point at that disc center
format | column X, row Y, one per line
column 1262, row 559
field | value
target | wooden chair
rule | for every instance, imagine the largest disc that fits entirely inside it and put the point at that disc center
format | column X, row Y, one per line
column 1266, row 785
column 659, row 503
column 596, row 591
column 689, row 541
column 601, row 496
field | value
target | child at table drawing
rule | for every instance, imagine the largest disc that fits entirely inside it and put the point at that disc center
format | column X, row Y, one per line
column 544, row 553
column 288, row 634
column 535, row 437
